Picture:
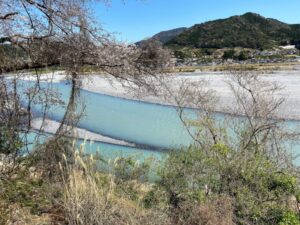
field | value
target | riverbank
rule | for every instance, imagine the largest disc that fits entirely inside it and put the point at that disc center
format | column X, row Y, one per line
column 288, row 80
column 51, row 126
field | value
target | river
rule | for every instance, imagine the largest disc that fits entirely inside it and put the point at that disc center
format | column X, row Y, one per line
column 152, row 127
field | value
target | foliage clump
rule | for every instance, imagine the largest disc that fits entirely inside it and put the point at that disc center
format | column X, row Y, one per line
column 254, row 184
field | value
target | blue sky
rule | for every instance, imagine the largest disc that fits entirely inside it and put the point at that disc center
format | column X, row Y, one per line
column 138, row 19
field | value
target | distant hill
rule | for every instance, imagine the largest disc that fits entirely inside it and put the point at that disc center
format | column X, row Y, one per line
column 248, row 31
column 166, row 36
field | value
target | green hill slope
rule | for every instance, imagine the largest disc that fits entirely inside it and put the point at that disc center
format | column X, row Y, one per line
column 249, row 31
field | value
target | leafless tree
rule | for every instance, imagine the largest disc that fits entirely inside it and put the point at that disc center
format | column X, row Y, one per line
column 252, row 122
column 36, row 34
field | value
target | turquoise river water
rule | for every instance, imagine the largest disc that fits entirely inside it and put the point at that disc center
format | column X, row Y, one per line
column 152, row 127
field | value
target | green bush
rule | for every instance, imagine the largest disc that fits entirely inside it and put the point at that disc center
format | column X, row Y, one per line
column 10, row 142
column 243, row 56
column 289, row 218
column 130, row 169
column 282, row 216
column 229, row 54
column 255, row 183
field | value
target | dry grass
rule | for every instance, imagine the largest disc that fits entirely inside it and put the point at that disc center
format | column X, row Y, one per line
column 91, row 198
column 22, row 216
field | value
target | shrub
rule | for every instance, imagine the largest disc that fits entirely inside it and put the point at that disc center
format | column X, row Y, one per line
column 282, row 216
column 289, row 218
column 229, row 54
column 242, row 56
column 255, row 183
column 10, row 142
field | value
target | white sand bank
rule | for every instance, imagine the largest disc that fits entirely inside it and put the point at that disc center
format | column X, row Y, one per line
column 51, row 126
column 217, row 81
column 54, row 77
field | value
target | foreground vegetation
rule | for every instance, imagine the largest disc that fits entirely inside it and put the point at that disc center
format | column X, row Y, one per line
column 193, row 187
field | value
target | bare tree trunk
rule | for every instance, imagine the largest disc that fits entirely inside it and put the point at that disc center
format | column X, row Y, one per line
column 70, row 118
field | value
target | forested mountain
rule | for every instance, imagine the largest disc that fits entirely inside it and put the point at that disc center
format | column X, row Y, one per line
column 249, row 31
